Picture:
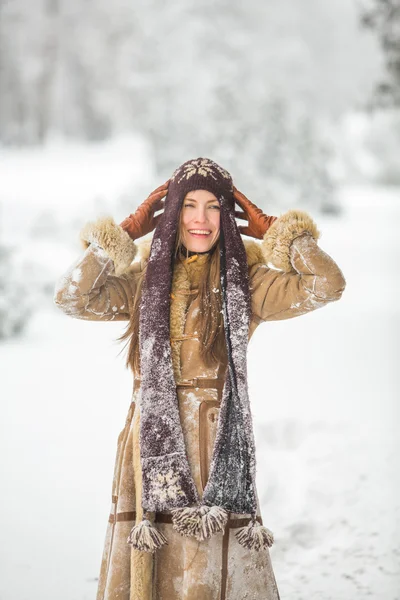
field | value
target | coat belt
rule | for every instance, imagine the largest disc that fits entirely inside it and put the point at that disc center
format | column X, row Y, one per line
column 196, row 382
column 167, row 518
column 202, row 382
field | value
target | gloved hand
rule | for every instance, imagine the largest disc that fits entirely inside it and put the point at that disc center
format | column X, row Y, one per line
column 258, row 222
column 143, row 220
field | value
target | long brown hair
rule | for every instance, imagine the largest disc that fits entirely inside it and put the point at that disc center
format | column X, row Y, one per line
column 209, row 323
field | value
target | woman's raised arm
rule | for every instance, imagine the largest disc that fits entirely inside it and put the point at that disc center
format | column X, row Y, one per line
column 307, row 279
column 101, row 285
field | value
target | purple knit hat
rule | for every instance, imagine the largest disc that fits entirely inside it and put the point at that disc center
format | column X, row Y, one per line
column 201, row 174
column 167, row 481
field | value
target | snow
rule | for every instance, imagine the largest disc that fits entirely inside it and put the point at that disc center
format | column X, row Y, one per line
column 113, row 161
column 324, row 397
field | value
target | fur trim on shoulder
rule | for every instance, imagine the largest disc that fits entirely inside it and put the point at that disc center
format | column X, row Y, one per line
column 277, row 240
column 113, row 239
column 144, row 245
column 254, row 252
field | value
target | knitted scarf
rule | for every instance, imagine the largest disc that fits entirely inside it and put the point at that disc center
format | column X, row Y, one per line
column 167, row 482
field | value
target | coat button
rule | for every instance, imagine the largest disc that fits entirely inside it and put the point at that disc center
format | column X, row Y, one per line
column 211, row 416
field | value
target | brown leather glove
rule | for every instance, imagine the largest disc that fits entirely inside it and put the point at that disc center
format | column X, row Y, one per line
column 258, row 222
column 143, row 220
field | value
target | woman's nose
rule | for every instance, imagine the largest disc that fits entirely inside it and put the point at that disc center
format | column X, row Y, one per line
column 201, row 216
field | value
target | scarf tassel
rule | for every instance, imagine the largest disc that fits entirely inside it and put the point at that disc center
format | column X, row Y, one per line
column 200, row 522
column 255, row 536
column 145, row 537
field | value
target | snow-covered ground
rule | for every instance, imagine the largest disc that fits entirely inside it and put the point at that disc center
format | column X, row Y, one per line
column 324, row 391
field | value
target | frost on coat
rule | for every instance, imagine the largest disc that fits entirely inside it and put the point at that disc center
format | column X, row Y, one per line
column 90, row 290
column 186, row 568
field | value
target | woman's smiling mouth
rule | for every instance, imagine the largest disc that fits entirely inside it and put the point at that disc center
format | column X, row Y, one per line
column 199, row 232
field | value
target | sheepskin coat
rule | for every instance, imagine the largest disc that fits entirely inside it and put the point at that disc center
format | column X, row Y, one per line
column 289, row 275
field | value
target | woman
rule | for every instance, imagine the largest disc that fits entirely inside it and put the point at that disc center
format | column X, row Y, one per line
column 185, row 521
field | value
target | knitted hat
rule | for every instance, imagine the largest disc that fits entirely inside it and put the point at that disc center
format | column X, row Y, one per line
column 203, row 174
column 167, row 481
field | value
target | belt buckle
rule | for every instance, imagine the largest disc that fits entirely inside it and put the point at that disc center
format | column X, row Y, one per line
column 189, row 382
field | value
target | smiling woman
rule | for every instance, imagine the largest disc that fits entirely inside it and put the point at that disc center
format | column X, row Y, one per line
column 200, row 221
column 185, row 517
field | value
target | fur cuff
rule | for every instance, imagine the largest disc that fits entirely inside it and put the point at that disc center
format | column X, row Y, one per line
column 277, row 240
column 113, row 239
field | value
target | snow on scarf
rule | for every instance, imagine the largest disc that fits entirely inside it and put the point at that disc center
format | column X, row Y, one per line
column 167, row 482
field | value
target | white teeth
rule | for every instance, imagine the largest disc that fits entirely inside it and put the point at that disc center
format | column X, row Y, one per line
column 202, row 231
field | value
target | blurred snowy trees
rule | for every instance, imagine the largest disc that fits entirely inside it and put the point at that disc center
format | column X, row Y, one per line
column 17, row 296
column 29, row 267
column 383, row 16
column 251, row 85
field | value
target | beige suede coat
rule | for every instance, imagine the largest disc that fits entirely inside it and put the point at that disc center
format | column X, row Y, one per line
column 289, row 276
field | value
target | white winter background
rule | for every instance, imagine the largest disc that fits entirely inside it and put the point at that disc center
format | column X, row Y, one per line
column 99, row 102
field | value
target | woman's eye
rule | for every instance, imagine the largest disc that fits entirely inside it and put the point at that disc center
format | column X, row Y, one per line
column 213, row 206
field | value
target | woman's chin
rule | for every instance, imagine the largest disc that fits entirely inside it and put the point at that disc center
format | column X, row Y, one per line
column 198, row 245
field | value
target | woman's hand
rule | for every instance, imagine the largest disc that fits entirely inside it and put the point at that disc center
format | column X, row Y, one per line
column 258, row 222
column 143, row 220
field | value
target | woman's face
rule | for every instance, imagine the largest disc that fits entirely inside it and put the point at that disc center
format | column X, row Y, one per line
column 200, row 220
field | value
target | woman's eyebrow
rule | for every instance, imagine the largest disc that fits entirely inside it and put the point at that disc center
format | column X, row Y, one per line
column 194, row 200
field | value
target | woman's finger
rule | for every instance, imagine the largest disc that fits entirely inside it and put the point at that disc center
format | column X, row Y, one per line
column 160, row 187
column 156, row 219
column 244, row 230
column 160, row 205
column 241, row 215
column 241, row 199
column 156, row 196
column 237, row 192
column 160, row 194
column 240, row 203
